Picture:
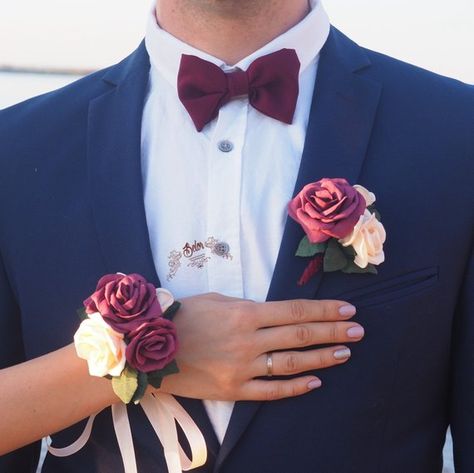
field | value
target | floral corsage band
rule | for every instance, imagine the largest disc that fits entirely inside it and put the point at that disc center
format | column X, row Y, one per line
column 342, row 226
column 127, row 334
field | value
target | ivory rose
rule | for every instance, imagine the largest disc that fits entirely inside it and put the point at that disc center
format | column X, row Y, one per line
column 367, row 239
column 368, row 196
column 102, row 347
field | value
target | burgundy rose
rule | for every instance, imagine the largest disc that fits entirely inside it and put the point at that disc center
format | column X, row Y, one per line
column 152, row 345
column 327, row 208
column 124, row 301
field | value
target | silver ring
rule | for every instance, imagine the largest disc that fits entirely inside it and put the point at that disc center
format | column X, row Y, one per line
column 269, row 364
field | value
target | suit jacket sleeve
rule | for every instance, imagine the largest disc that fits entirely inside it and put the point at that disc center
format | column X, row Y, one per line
column 11, row 353
column 462, row 395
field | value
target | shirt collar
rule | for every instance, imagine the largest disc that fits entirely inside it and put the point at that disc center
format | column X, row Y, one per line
column 307, row 38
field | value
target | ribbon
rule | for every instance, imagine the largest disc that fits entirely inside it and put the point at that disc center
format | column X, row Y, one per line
column 163, row 411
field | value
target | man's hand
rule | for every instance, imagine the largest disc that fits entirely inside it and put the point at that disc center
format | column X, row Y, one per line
column 224, row 344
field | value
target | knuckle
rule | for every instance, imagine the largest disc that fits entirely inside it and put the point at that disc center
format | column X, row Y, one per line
column 291, row 364
column 235, row 308
column 228, row 382
column 297, row 311
column 246, row 353
column 326, row 310
column 238, row 349
column 295, row 390
column 333, row 333
column 323, row 310
column 228, row 391
column 320, row 359
column 248, row 308
column 274, row 393
column 240, row 312
column 303, row 335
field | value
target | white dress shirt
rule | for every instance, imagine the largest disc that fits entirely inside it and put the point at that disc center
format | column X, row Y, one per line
column 216, row 201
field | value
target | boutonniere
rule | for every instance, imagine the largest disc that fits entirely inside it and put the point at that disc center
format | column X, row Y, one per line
column 342, row 226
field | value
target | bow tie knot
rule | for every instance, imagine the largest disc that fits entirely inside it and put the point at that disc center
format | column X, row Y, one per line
column 270, row 82
column 237, row 83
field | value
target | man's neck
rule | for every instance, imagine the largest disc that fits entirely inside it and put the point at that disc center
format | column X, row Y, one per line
column 229, row 29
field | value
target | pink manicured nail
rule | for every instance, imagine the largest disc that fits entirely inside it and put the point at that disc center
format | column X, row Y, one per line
column 347, row 311
column 342, row 354
column 355, row 332
column 316, row 383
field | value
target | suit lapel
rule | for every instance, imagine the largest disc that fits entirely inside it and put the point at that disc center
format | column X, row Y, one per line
column 115, row 183
column 339, row 129
column 114, row 135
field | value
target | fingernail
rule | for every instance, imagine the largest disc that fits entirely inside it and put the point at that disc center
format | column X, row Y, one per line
column 355, row 332
column 347, row 311
column 316, row 383
column 342, row 354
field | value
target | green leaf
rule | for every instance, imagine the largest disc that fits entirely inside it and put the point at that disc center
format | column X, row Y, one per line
column 352, row 268
column 334, row 259
column 349, row 251
column 82, row 314
column 155, row 378
column 142, row 379
column 374, row 211
column 306, row 248
column 126, row 384
column 171, row 311
column 372, row 269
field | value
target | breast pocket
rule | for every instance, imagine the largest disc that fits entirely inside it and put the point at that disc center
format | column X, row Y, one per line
column 392, row 289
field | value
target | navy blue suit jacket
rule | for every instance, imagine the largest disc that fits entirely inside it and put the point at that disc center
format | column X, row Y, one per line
column 71, row 209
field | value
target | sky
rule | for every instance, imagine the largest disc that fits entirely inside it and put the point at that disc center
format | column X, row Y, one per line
column 89, row 34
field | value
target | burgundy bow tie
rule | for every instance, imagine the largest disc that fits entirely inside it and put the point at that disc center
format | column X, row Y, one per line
column 270, row 82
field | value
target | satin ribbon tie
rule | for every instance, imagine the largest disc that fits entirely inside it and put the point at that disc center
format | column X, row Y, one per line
column 162, row 410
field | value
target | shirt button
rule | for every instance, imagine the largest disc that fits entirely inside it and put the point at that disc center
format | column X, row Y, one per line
column 225, row 146
column 221, row 249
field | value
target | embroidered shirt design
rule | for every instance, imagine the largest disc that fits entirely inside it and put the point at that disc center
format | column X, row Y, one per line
column 197, row 254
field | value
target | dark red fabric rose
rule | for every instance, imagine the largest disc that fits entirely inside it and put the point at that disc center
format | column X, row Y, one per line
column 152, row 345
column 124, row 301
column 329, row 208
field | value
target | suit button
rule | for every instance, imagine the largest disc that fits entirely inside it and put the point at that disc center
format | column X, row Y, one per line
column 225, row 146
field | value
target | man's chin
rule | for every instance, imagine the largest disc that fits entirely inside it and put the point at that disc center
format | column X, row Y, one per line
column 230, row 9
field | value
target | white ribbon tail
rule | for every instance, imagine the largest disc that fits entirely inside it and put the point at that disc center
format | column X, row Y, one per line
column 162, row 410
column 123, row 432
column 77, row 445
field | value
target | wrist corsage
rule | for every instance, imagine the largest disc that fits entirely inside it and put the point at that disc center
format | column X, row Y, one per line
column 127, row 334
column 342, row 226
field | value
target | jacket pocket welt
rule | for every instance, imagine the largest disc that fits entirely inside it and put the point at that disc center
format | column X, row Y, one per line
column 392, row 289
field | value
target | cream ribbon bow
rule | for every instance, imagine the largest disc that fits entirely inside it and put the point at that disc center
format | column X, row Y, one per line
column 162, row 410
